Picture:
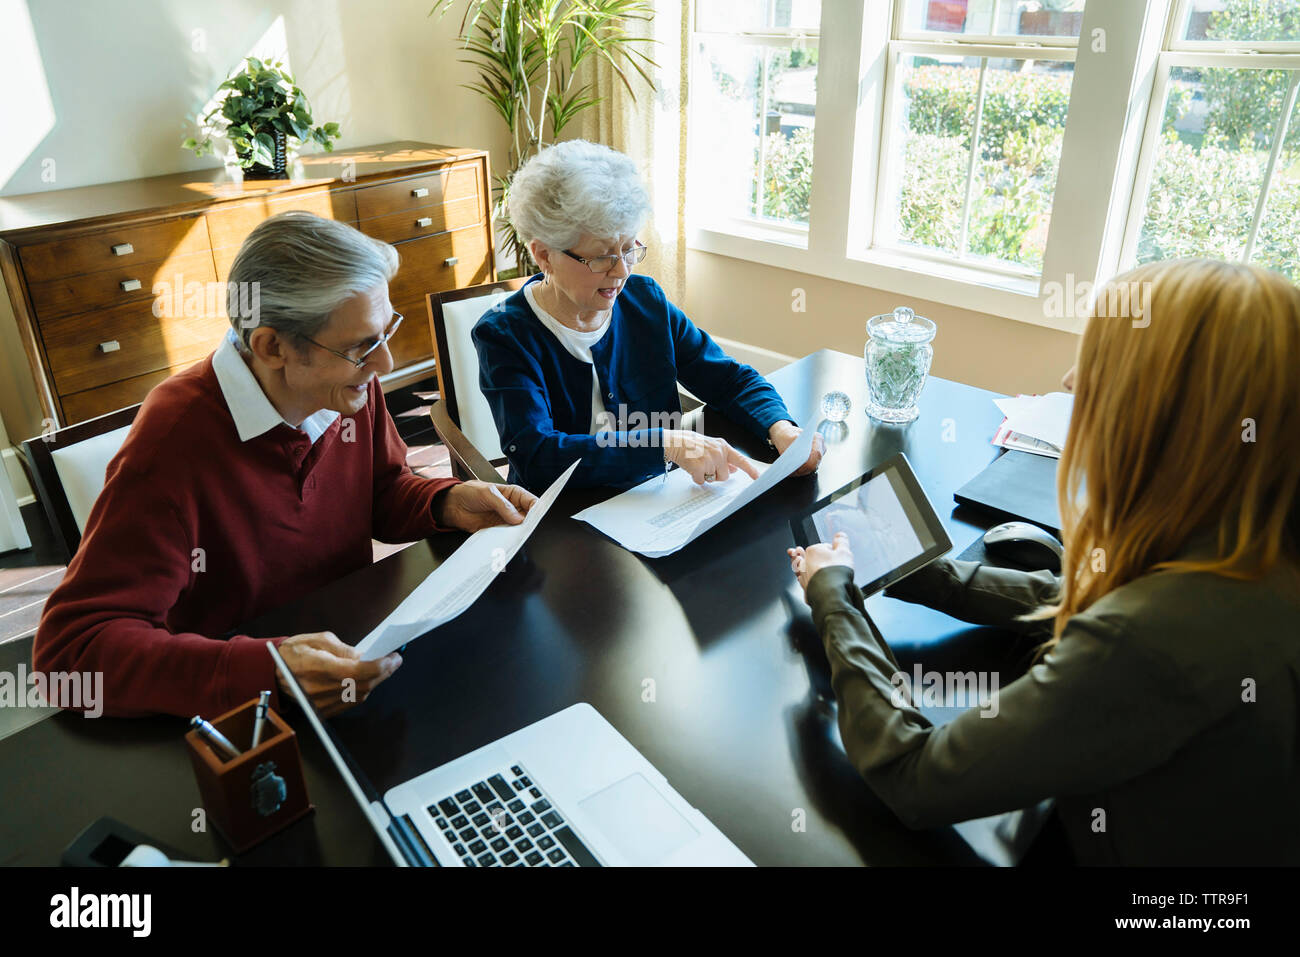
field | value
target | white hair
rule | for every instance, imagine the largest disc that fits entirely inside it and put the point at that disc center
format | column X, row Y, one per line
column 575, row 188
column 303, row 267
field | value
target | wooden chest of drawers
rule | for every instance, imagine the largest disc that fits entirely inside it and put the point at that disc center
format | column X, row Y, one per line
column 116, row 287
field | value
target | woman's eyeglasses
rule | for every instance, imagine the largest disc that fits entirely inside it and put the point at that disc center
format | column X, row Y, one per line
column 360, row 360
column 606, row 263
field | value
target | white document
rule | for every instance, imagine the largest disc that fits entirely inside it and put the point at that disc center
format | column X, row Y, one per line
column 664, row 513
column 456, row 584
column 1042, row 417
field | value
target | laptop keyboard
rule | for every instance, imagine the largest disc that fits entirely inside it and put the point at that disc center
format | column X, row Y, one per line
column 507, row 821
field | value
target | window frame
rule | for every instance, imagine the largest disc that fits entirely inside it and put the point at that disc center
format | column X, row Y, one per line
column 882, row 227
column 987, row 39
column 1099, row 160
column 1176, row 42
column 778, row 38
column 1225, row 54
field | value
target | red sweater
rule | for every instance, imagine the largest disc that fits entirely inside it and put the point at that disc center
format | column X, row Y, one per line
column 275, row 517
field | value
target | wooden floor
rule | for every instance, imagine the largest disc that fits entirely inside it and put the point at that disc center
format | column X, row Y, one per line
column 27, row 577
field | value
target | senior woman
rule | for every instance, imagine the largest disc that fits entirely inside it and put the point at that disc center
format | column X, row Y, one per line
column 1163, row 713
column 584, row 361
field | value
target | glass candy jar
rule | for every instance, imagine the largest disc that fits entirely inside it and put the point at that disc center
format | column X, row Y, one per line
column 898, row 355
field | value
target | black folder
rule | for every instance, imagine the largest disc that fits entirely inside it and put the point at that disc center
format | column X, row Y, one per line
column 1017, row 486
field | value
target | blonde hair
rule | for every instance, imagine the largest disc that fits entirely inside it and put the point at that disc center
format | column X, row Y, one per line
column 1186, row 422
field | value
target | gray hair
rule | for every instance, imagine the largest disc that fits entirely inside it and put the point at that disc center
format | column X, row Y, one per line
column 296, row 268
column 577, row 187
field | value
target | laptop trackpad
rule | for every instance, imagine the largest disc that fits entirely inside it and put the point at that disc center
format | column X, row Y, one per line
column 635, row 818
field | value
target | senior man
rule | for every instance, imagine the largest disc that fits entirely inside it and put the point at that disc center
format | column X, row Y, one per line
column 250, row 479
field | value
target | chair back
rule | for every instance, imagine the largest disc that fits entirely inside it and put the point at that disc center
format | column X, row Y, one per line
column 452, row 315
column 68, row 468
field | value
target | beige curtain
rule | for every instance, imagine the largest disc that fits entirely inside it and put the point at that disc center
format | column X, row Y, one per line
column 652, row 130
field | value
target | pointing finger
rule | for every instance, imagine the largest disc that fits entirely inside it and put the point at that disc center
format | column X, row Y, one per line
column 742, row 463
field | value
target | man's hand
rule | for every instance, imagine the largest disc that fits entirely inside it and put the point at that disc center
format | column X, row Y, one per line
column 471, row 506
column 332, row 673
column 805, row 563
column 783, row 434
column 707, row 459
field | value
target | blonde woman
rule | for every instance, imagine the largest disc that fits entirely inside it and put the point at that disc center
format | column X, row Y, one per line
column 1162, row 713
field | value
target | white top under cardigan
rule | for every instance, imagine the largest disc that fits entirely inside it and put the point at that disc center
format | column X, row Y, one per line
column 578, row 344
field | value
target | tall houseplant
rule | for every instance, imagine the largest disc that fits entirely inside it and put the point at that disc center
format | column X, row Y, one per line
column 260, row 110
column 529, row 54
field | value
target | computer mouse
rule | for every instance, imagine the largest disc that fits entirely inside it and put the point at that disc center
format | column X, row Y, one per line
column 143, row 855
column 1025, row 545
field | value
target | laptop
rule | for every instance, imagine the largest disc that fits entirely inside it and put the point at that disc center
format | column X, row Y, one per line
column 566, row 791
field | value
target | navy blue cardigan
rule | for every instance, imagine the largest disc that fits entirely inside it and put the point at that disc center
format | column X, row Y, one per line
column 540, row 395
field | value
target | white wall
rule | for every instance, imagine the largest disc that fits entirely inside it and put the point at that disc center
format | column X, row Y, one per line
column 753, row 303
column 123, row 79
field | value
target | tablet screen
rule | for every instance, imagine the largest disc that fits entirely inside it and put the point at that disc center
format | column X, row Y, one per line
column 892, row 528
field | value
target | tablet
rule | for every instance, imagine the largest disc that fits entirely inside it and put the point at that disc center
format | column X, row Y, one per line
column 892, row 527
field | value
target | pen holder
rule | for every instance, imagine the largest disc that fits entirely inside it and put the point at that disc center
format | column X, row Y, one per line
column 262, row 791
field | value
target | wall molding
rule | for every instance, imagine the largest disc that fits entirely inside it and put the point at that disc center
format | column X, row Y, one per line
column 17, row 476
column 765, row 361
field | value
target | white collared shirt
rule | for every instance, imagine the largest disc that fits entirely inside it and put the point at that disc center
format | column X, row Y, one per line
column 249, row 407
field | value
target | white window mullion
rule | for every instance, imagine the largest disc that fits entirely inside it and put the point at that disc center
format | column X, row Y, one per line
column 993, row 51
column 1279, row 135
column 1178, row 20
column 762, row 136
column 1118, row 43
column 974, row 157
column 845, row 152
column 1136, row 195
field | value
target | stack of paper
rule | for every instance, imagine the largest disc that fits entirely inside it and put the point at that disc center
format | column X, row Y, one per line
column 661, row 515
column 1035, row 423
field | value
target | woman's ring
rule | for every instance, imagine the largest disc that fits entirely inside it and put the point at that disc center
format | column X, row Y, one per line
column 710, row 476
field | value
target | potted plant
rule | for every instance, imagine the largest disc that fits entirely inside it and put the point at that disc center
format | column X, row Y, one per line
column 260, row 109
column 528, row 54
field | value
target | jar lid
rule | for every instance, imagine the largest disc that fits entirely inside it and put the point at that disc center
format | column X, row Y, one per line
column 902, row 325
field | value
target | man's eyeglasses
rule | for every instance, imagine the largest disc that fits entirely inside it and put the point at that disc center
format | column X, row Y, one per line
column 606, row 263
column 360, row 360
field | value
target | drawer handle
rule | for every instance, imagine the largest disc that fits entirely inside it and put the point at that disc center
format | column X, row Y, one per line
column 424, row 221
column 420, row 191
column 130, row 285
column 123, row 249
column 451, row 261
column 111, row 346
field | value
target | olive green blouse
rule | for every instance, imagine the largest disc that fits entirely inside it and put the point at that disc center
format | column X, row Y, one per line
column 1166, row 721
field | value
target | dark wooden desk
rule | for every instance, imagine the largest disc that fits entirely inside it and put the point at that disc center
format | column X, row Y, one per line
column 736, row 724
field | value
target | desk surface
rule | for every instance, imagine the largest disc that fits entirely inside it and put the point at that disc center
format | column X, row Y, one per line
column 737, row 723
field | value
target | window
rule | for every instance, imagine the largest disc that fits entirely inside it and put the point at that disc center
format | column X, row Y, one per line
column 979, row 94
column 1221, row 164
column 946, row 126
column 754, row 96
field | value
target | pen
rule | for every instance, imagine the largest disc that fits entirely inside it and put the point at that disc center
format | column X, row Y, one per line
column 263, row 700
column 214, row 736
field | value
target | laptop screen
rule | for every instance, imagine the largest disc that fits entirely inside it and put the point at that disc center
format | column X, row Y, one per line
column 400, row 838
